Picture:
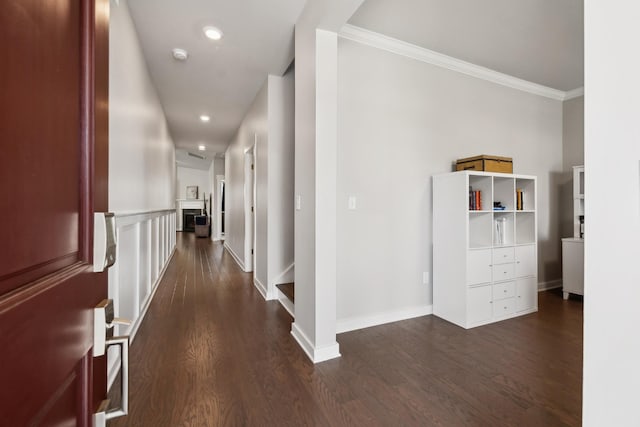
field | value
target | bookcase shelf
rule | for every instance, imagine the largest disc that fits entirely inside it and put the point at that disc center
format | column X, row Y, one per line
column 484, row 261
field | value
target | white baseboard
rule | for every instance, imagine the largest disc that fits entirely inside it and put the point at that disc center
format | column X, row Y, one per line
column 286, row 303
column 114, row 368
column 551, row 284
column 316, row 354
column 361, row 322
column 272, row 294
column 235, row 256
column 260, row 287
column 267, row 294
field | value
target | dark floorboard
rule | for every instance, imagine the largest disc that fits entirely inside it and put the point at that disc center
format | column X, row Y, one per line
column 212, row 352
column 288, row 289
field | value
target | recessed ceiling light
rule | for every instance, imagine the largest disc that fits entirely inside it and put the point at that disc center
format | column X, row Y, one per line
column 205, row 118
column 180, row 54
column 212, row 33
column 201, row 147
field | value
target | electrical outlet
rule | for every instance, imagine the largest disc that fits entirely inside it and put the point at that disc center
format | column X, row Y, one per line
column 425, row 277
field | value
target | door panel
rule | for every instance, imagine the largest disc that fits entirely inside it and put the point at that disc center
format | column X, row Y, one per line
column 526, row 264
column 53, row 175
column 41, row 106
column 479, row 266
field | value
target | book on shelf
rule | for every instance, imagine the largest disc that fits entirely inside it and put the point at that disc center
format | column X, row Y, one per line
column 519, row 199
column 472, row 199
column 475, row 199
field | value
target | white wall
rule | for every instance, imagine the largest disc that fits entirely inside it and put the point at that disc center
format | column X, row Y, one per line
column 280, row 173
column 141, row 151
column 269, row 123
column 254, row 125
column 572, row 155
column 189, row 176
column 141, row 178
column 400, row 122
column 612, row 214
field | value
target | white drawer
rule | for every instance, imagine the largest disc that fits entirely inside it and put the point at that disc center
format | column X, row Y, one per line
column 504, row 307
column 504, row 290
column 503, row 255
column 503, row 272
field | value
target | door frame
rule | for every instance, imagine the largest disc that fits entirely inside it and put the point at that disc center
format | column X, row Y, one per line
column 249, row 206
column 220, row 183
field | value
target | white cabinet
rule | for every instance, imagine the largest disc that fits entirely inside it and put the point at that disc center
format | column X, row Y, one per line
column 572, row 267
column 479, row 304
column 526, row 263
column 487, row 223
column 573, row 247
column 479, row 266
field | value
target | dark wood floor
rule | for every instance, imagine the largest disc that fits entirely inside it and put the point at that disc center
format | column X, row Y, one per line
column 212, row 352
column 288, row 289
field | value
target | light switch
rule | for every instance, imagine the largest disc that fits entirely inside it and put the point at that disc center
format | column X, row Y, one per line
column 352, row 203
column 298, row 202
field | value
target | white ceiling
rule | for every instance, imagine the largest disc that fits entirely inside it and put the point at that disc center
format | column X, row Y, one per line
column 540, row 41
column 219, row 78
column 536, row 40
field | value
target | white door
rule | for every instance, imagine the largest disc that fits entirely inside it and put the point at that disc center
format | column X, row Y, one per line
column 526, row 261
column 249, row 207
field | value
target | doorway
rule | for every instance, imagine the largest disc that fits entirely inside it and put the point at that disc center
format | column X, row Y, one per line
column 219, row 213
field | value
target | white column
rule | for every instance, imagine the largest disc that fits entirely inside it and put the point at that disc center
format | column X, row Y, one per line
column 611, row 389
column 316, row 51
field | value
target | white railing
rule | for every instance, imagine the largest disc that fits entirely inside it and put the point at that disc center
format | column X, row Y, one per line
column 146, row 241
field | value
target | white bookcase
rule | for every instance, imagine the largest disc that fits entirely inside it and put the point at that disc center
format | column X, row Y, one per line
column 480, row 276
column 573, row 247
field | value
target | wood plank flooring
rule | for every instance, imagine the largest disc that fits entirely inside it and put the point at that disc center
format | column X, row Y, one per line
column 212, row 352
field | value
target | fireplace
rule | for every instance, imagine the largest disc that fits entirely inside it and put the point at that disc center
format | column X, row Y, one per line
column 188, row 219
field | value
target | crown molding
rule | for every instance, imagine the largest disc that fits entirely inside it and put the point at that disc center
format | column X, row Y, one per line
column 570, row 94
column 399, row 47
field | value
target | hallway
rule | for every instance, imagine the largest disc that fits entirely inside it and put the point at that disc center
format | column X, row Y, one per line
column 212, row 352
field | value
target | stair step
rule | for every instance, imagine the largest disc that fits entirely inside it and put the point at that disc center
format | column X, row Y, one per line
column 287, row 289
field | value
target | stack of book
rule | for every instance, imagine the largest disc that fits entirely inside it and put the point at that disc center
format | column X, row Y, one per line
column 475, row 200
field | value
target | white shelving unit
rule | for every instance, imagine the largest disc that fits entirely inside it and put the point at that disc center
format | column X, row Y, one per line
column 480, row 277
column 573, row 247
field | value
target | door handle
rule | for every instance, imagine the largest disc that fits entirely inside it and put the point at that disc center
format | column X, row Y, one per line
column 104, row 240
column 104, row 414
column 104, row 321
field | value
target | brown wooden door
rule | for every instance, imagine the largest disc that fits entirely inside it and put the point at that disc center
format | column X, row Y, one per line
column 53, row 176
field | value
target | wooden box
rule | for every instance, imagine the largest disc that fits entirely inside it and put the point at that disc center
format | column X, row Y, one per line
column 486, row 163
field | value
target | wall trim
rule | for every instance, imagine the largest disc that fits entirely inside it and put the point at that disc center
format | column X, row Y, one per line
column 316, row 354
column 361, row 322
column 260, row 287
column 551, row 284
column 399, row 47
column 235, row 257
column 286, row 303
column 114, row 370
column 575, row 93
